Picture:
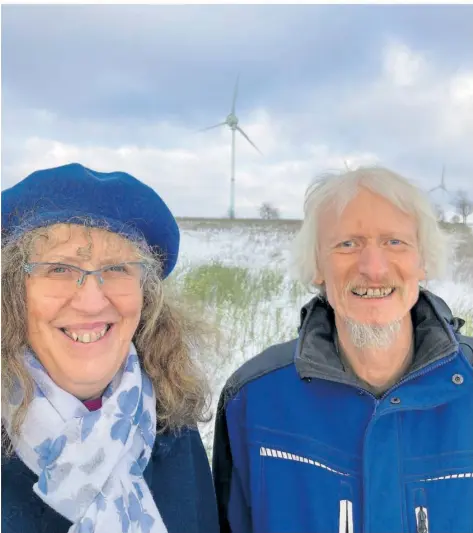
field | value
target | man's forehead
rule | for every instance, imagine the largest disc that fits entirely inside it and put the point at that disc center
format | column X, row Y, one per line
column 365, row 204
column 377, row 224
column 366, row 222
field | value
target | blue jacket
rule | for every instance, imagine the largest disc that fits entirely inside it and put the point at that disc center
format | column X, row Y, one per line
column 300, row 447
column 178, row 476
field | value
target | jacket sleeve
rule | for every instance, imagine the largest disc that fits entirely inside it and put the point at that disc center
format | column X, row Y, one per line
column 230, row 466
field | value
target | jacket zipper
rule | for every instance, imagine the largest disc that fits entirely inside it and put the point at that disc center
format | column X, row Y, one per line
column 422, row 519
column 346, row 517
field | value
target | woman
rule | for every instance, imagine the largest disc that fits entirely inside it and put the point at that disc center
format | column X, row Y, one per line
column 100, row 397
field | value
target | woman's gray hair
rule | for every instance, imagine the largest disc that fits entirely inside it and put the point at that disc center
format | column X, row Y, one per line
column 338, row 190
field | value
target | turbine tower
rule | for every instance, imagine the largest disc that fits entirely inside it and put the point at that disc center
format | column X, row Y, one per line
column 442, row 182
column 232, row 122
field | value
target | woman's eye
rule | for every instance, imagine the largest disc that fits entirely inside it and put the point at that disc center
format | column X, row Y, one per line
column 59, row 270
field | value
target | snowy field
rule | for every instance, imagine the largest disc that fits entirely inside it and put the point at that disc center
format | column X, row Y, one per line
column 238, row 275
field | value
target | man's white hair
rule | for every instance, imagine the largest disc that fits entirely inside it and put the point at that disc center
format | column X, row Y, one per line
column 336, row 191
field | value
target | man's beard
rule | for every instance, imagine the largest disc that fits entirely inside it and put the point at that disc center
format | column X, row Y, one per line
column 371, row 336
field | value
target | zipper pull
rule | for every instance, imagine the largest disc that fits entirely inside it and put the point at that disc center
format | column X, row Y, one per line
column 422, row 520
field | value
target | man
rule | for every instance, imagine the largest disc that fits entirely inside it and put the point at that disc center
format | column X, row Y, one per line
column 365, row 422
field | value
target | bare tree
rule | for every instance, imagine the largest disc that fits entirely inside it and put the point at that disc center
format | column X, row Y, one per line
column 455, row 219
column 268, row 212
column 463, row 206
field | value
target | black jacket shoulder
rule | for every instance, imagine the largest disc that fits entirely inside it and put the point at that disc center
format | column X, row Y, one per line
column 271, row 359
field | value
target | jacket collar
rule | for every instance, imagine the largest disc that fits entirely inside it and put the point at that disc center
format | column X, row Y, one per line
column 316, row 355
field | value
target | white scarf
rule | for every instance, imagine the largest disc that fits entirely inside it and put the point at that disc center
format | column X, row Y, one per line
column 90, row 464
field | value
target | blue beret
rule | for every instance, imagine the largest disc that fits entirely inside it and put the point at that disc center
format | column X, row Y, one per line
column 115, row 200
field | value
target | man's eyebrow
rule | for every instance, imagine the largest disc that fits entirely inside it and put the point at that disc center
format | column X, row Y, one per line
column 345, row 237
column 385, row 235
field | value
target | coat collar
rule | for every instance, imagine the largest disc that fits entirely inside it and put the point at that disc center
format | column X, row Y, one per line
column 316, row 355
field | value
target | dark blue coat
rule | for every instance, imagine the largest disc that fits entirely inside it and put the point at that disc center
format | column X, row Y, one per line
column 178, row 476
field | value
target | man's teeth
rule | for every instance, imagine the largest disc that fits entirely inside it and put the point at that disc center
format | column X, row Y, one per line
column 86, row 338
column 373, row 293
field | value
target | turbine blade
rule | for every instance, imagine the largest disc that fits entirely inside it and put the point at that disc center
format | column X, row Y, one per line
column 248, row 139
column 235, row 94
column 212, row 127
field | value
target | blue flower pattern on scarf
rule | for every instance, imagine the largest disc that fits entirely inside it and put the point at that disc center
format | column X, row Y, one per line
column 147, row 429
column 88, row 423
column 127, row 403
column 132, row 361
column 138, row 467
column 100, row 502
column 147, row 386
column 124, row 519
column 138, row 490
column 138, row 514
column 48, row 452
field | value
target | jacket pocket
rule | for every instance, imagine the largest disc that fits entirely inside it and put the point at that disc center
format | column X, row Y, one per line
column 441, row 504
column 346, row 517
column 299, row 493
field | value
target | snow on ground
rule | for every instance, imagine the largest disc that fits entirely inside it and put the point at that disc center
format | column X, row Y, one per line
column 244, row 246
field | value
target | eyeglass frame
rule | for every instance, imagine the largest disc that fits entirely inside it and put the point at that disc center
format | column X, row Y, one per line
column 29, row 267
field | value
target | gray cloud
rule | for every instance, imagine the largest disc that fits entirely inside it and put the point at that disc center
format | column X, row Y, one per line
column 126, row 87
column 124, row 60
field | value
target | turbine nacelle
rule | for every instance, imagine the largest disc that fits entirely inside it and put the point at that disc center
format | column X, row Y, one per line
column 232, row 121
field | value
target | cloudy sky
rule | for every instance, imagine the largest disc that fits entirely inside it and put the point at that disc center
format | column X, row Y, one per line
column 121, row 87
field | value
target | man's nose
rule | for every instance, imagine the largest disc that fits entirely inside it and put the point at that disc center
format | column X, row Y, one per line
column 373, row 263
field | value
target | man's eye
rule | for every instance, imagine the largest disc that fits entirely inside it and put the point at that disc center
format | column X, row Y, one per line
column 395, row 241
column 347, row 244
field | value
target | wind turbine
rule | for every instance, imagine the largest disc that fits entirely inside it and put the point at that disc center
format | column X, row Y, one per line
column 232, row 122
column 442, row 182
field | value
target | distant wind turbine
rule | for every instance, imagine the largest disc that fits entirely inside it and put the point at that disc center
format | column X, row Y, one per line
column 232, row 122
column 442, row 182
